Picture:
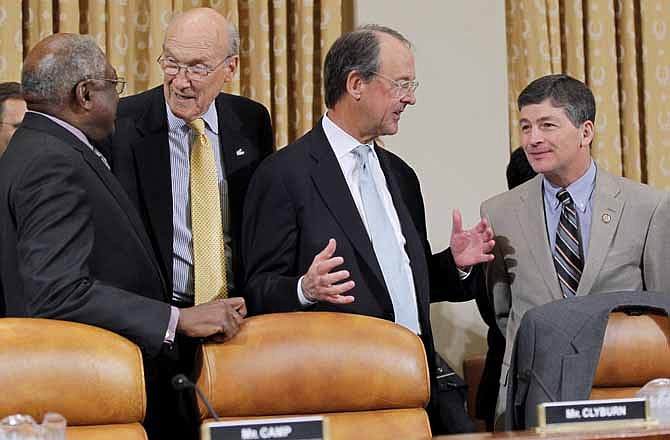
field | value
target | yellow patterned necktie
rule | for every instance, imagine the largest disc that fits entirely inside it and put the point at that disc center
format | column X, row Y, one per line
column 209, row 260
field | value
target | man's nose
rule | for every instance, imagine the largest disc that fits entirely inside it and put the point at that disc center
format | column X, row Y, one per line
column 181, row 79
column 409, row 98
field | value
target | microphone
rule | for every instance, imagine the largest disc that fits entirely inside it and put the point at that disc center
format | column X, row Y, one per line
column 180, row 382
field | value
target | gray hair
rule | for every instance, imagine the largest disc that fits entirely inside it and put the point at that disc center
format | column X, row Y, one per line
column 233, row 40
column 51, row 79
column 354, row 51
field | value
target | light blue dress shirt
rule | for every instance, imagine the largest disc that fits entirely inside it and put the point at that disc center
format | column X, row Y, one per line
column 581, row 192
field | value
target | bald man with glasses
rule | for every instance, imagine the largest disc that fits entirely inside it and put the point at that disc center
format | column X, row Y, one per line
column 184, row 152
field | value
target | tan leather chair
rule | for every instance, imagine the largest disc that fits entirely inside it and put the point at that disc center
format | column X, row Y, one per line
column 93, row 377
column 636, row 349
column 369, row 376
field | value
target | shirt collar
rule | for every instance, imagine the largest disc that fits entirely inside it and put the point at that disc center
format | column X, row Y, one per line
column 210, row 117
column 341, row 142
column 580, row 190
column 66, row 125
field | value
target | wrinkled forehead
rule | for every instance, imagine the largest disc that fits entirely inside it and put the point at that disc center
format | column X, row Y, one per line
column 202, row 39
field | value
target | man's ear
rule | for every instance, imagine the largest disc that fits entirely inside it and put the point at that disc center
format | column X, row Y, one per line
column 231, row 67
column 587, row 133
column 83, row 94
column 355, row 84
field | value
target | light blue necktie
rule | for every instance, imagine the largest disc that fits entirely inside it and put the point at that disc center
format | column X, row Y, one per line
column 386, row 246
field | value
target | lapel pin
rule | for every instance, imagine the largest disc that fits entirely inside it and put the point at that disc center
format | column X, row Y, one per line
column 240, row 152
column 606, row 218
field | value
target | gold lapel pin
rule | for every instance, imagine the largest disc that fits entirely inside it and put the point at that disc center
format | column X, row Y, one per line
column 606, row 218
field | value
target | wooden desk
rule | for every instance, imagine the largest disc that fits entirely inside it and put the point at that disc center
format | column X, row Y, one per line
column 655, row 433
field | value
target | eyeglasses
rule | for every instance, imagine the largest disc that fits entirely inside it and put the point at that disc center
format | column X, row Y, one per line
column 401, row 88
column 194, row 72
column 119, row 83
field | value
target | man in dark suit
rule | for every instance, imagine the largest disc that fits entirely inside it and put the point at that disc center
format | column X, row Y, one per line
column 150, row 153
column 72, row 246
column 333, row 222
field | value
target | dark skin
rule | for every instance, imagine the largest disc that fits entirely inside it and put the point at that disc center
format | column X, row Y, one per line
column 91, row 107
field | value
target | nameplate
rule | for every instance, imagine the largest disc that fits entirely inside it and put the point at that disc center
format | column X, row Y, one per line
column 294, row 428
column 585, row 414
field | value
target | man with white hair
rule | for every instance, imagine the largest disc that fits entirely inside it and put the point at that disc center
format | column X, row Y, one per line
column 184, row 152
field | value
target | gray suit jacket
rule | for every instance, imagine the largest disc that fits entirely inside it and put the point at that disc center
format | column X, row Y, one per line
column 627, row 250
column 557, row 350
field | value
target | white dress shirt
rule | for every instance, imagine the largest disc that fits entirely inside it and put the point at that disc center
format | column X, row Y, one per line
column 343, row 145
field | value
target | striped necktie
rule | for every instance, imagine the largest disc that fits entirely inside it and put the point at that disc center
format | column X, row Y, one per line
column 209, row 260
column 568, row 250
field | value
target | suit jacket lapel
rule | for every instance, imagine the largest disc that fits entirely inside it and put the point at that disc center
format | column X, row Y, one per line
column 233, row 143
column 578, row 369
column 413, row 242
column 152, row 160
column 607, row 201
column 330, row 183
column 533, row 225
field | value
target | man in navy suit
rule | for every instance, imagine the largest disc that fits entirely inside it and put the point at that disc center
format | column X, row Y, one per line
column 334, row 222
column 150, row 154
column 151, row 150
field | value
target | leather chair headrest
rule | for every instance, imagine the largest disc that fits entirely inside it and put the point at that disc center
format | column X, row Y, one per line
column 89, row 375
column 314, row 362
column 635, row 350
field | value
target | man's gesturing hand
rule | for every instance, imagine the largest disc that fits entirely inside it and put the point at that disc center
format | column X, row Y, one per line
column 319, row 284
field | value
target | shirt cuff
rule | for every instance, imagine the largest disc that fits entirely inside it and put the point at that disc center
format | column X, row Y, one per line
column 172, row 326
column 463, row 274
column 301, row 296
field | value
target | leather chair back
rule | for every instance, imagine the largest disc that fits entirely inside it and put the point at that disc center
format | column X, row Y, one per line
column 93, row 377
column 635, row 350
column 369, row 376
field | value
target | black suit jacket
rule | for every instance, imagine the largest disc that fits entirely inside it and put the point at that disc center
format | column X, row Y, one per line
column 140, row 157
column 298, row 199
column 71, row 245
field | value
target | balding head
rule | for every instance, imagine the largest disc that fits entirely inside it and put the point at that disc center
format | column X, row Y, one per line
column 203, row 27
column 201, row 40
column 67, row 76
column 56, row 64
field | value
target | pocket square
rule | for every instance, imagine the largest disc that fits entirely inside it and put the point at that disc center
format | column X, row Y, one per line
column 240, row 152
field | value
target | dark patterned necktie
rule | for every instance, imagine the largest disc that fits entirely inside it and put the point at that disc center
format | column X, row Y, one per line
column 567, row 253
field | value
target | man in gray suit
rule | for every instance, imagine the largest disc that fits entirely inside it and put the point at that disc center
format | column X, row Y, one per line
column 574, row 229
